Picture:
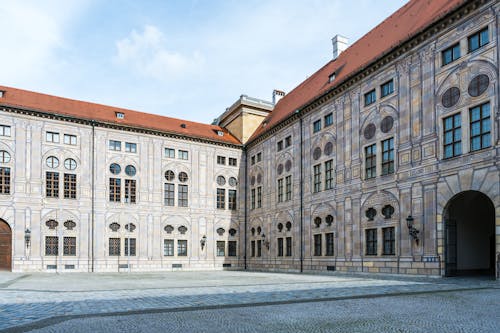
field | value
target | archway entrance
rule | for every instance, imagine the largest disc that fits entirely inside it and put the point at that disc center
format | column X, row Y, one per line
column 470, row 235
column 5, row 246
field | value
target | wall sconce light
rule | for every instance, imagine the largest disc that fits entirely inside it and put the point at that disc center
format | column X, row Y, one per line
column 266, row 243
column 27, row 237
column 411, row 229
column 203, row 241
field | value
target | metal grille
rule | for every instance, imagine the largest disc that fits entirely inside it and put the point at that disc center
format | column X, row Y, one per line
column 478, row 85
column 450, row 97
column 169, row 175
column 69, row 246
column 221, row 231
column 51, row 245
column 169, row 229
column 114, row 226
column 369, row 131
column 69, row 225
column 114, row 246
column 386, row 124
column 52, row 224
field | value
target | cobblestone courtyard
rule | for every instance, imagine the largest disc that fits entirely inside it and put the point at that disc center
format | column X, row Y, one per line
column 245, row 301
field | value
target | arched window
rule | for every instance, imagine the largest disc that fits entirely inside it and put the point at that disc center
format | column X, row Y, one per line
column 4, row 156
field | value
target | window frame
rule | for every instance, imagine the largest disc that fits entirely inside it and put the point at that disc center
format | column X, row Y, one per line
column 317, row 178
column 370, row 97
column 389, row 241
column 115, row 145
column 454, row 51
column 371, row 235
column 5, row 180
column 371, row 161
column 130, row 147
column 330, row 243
column 69, row 246
column 484, row 136
column 390, row 88
column 70, row 184
column 288, row 188
column 115, row 189
column 168, row 152
column 182, row 247
column 183, row 154
column 328, row 120
column 280, row 190
column 52, row 137
column 5, row 130
column 316, row 126
column 481, row 42
column 168, row 247
column 317, row 245
column 221, row 198
column 387, row 156
column 220, row 248
column 453, row 130
column 182, row 195
column 68, row 139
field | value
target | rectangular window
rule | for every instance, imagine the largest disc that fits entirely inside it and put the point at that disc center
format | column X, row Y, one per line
column 389, row 241
column 259, row 157
column 259, row 248
column 169, row 153
column 371, row 161
column 478, row 39
column 4, row 130
column 252, row 248
column 329, row 244
column 233, row 161
column 69, row 246
column 370, row 97
column 52, row 184
column 52, row 137
column 280, row 247
column 329, row 119
column 168, row 247
column 288, row 188
column 451, row 54
column 130, row 147
column 183, row 154
column 280, row 190
column 129, row 246
column 452, row 140
column 329, row 175
column 130, row 190
column 317, row 126
column 288, row 141
column 221, row 248
column 253, row 160
column 69, row 186
column 182, row 248
column 169, row 195
column 4, row 180
column 221, row 198
column 70, row 139
column 480, row 127
column 279, row 145
column 317, row 245
column 371, row 242
column 317, row 178
column 115, row 145
column 115, row 189
column 288, row 246
column 259, row 197
column 387, row 88
column 252, row 198
column 114, row 247
column 221, row 160
column 231, row 199
column 183, row 195
column 388, row 156
column 232, row 249
column 51, row 245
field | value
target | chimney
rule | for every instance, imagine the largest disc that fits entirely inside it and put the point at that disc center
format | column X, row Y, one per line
column 339, row 45
column 277, row 95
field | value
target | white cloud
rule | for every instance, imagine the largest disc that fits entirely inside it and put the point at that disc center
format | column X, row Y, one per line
column 147, row 54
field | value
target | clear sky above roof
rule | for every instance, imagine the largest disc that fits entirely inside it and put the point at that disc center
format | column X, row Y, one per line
column 184, row 59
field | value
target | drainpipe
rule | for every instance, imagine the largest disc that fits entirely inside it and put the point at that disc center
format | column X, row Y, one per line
column 245, row 206
column 93, row 197
column 301, row 194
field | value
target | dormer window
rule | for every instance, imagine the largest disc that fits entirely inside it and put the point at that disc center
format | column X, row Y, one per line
column 120, row 115
column 183, row 125
column 331, row 78
column 220, row 133
column 2, row 93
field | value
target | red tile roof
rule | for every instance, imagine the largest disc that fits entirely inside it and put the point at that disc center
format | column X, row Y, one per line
column 401, row 26
column 91, row 111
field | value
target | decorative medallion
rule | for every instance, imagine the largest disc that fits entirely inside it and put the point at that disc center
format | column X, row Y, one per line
column 233, row 181
column 221, row 181
column 169, row 175
column 259, row 230
column 232, row 232
column 130, row 227
column 52, row 224
column 280, row 227
column 168, row 229
column 114, row 226
column 317, row 153
column 387, row 211
column 183, row 177
column 280, row 169
column 259, row 178
column 288, row 226
column 252, row 180
column 369, row 131
column 478, row 85
column 288, row 165
column 450, row 97
column 329, row 220
column 220, row 231
column 386, row 124
column 69, row 225
column 370, row 213
column 317, row 221
column 328, row 148
column 182, row 229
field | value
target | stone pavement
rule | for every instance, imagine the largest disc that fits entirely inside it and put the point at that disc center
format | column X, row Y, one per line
column 28, row 298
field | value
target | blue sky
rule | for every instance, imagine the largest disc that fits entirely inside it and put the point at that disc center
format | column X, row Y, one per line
column 183, row 59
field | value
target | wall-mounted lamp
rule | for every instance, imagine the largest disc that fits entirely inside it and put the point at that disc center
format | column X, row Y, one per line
column 203, row 241
column 27, row 237
column 411, row 229
column 266, row 243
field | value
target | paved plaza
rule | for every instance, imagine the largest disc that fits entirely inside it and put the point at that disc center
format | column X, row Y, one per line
column 235, row 301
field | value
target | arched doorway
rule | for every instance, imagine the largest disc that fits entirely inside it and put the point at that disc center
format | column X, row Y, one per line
column 5, row 246
column 469, row 235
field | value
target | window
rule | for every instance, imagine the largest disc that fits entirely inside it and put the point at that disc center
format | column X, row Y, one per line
column 183, row 195
column 51, row 245
column 478, row 39
column 221, row 247
column 52, row 137
column 231, row 199
column 183, row 154
column 389, row 241
column 317, row 178
column 387, row 88
column 221, row 181
column 130, row 170
column 69, row 186
column 288, row 141
column 280, row 145
column 182, row 248
column 252, row 198
column 288, row 246
column 52, row 184
column 480, row 127
column 130, row 147
column 370, row 161
column 329, row 175
column 370, row 97
column 168, row 247
column 221, row 160
column 252, row 248
column 452, row 136
column 253, row 160
column 280, row 190
column 329, row 244
column 388, row 156
column 259, row 157
column 183, row 177
column 233, row 161
column 317, row 245
column 130, row 190
column 317, row 126
column 70, row 164
column 4, row 180
column 259, row 248
column 231, row 248
column 169, row 194
column 4, row 156
column 329, row 119
column 221, row 198
column 52, row 162
column 114, row 247
column 451, row 54
column 288, row 188
column 69, row 246
column 169, row 153
column 371, row 242
column 280, row 247
column 115, row 145
column 69, row 139
column 4, row 130
column 115, row 169
column 259, row 197
column 114, row 189
column 129, row 246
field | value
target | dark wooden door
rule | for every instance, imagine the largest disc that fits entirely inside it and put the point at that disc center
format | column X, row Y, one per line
column 451, row 247
column 5, row 246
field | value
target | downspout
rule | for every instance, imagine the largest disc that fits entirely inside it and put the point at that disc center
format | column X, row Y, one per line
column 93, row 197
column 301, row 194
column 245, row 207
